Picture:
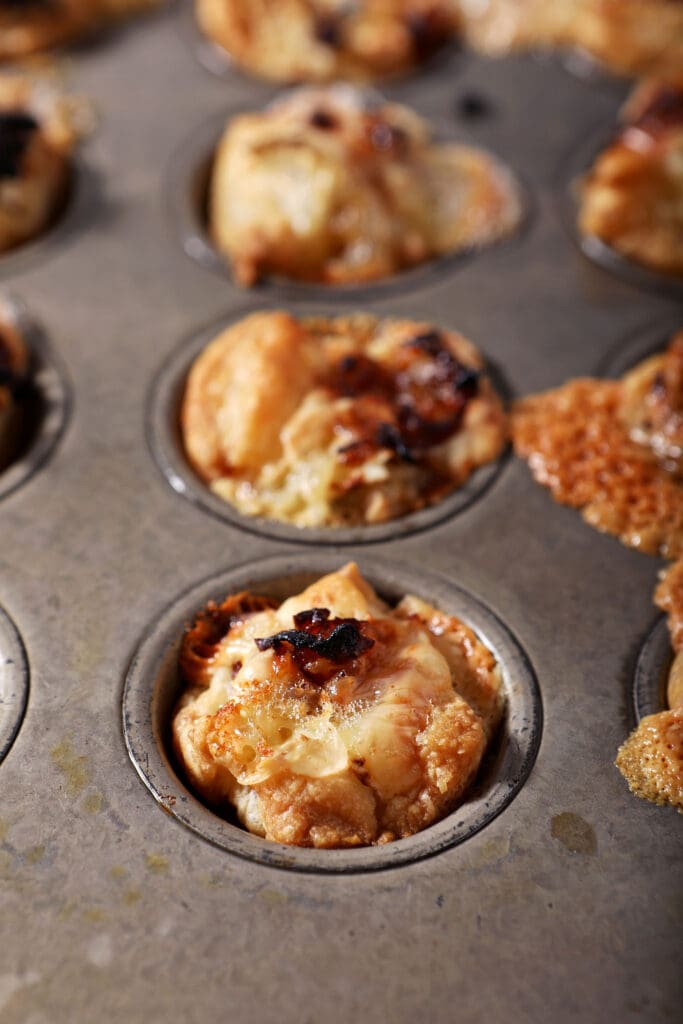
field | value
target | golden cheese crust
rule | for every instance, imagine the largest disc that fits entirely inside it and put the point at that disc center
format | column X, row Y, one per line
column 327, row 40
column 632, row 37
column 327, row 186
column 31, row 26
column 14, row 368
column 340, row 422
column 632, row 197
column 588, row 442
column 38, row 131
column 334, row 720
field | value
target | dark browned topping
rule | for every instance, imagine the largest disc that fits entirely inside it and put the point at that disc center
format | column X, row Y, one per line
column 202, row 641
column 427, row 32
column 664, row 111
column 418, row 403
column 323, row 119
column 318, row 637
column 10, row 376
column 327, row 30
column 16, row 129
column 18, row 4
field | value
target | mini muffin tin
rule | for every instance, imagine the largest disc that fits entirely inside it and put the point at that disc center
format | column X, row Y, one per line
column 556, row 905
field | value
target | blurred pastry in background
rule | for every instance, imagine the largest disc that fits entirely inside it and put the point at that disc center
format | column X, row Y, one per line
column 14, row 369
column 614, row 449
column 340, row 422
column 651, row 759
column 323, row 40
column 629, row 37
column 333, row 719
column 632, row 197
column 31, row 26
column 38, row 131
column 333, row 186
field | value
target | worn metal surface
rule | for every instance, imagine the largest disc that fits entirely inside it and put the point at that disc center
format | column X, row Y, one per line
column 566, row 906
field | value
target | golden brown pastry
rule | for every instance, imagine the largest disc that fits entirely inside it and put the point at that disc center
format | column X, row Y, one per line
column 37, row 136
column 632, row 37
column 651, row 759
column 328, row 186
column 323, row 40
column 338, row 422
column 632, row 198
column 29, row 26
column 334, row 720
column 612, row 449
column 14, row 365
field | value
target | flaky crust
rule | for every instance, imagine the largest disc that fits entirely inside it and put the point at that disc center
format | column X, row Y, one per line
column 327, row 40
column 632, row 37
column 632, row 198
column 27, row 28
column 586, row 442
column 347, row 421
column 327, row 186
column 326, row 752
column 34, row 181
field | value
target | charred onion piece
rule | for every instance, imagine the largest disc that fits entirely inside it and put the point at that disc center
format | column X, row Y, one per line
column 16, row 129
column 318, row 634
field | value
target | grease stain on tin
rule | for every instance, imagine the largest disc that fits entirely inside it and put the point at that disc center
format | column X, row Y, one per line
column 34, row 854
column 574, row 833
column 74, row 767
column 156, row 862
column 93, row 803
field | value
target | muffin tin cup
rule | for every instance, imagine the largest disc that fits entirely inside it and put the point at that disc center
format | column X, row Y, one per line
column 165, row 443
column 14, row 681
column 153, row 686
column 577, row 163
column 76, row 207
column 652, row 672
column 186, row 191
column 639, row 345
column 45, row 409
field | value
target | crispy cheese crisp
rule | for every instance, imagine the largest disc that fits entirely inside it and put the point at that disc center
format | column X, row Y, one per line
column 613, row 449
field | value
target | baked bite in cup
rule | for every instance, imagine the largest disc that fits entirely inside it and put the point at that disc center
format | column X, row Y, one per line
column 614, row 449
column 323, row 40
column 38, row 132
column 629, row 37
column 651, row 759
column 338, row 422
column 329, row 185
column 14, row 370
column 30, row 26
column 334, row 720
column 632, row 197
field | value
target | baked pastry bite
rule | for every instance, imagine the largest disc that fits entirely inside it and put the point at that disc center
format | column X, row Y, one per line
column 323, row 40
column 14, row 369
column 30, row 26
column 329, row 185
column 631, row 37
column 38, row 131
column 338, row 422
column 651, row 759
column 632, row 197
column 334, row 720
column 613, row 449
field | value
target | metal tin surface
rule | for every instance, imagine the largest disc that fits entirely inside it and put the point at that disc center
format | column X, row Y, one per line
column 566, row 905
